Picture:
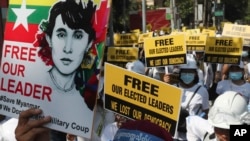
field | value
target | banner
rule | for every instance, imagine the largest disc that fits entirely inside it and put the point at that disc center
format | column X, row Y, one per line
column 51, row 59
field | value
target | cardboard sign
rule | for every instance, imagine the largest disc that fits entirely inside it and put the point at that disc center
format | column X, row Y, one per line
column 126, row 39
column 143, row 36
column 140, row 97
column 208, row 32
column 234, row 30
column 225, row 50
column 47, row 62
column 165, row 50
column 196, row 42
column 193, row 31
column 122, row 54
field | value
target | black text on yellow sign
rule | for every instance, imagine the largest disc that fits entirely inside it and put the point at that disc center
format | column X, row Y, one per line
column 122, row 54
column 127, row 39
column 164, row 49
column 223, row 50
column 166, row 60
column 196, row 42
column 233, row 30
column 138, row 96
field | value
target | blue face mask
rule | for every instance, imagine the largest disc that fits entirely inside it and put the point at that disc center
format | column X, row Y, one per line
column 235, row 75
column 187, row 78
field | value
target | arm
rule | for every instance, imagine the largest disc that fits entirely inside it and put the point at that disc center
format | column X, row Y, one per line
column 32, row 130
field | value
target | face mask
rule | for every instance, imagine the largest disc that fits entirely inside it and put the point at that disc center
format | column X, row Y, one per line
column 187, row 78
column 235, row 75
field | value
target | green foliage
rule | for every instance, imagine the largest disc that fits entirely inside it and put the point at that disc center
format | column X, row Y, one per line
column 185, row 8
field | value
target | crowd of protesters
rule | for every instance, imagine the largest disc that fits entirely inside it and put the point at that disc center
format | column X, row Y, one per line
column 222, row 94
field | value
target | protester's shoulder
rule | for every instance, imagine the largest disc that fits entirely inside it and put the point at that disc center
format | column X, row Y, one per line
column 224, row 82
column 198, row 123
column 202, row 90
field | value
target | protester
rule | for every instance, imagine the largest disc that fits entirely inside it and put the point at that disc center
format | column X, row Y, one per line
column 235, row 82
column 136, row 66
column 197, row 104
column 32, row 130
column 7, row 128
column 228, row 109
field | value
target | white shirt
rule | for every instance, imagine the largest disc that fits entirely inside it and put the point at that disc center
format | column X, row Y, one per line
column 200, row 99
column 109, row 132
column 197, row 128
column 199, row 102
column 7, row 129
column 226, row 85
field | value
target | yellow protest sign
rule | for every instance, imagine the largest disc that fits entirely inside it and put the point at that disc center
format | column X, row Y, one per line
column 196, row 42
column 234, row 30
column 126, row 39
column 144, row 35
column 225, row 50
column 165, row 50
column 193, row 31
column 122, row 54
column 140, row 97
column 209, row 32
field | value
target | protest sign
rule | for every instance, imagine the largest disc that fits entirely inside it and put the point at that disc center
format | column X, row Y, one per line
column 234, row 30
column 225, row 50
column 140, row 97
column 120, row 56
column 50, row 60
column 196, row 42
column 165, row 50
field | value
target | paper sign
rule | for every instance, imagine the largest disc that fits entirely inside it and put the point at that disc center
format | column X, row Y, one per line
column 140, row 97
column 165, row 50
column 50, row 60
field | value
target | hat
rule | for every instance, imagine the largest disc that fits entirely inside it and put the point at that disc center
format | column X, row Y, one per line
column 142, row 130
column 136, row 66
column 191, row 63
column 229, row 109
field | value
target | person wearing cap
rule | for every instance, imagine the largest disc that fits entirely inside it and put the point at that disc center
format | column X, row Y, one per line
column 199, row 103
column 228, row 109
column 136, row 66
column 235, row 81
column 142, row 130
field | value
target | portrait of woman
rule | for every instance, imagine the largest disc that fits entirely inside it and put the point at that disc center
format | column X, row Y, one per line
column 66, row 43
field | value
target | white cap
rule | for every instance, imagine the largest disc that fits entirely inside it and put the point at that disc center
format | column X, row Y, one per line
column 136, row 66
column 227, row 110
column 191, row 63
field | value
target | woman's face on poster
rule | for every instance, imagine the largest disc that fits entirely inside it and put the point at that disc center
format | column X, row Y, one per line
column 68, row 46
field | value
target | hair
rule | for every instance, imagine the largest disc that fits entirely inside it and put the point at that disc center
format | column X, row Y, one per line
column 196, row 77
column 74, row 15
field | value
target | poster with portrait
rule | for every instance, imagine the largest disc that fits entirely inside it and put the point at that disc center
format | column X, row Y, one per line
column 51, row 57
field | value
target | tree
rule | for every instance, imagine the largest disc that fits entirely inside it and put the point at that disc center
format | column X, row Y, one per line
column 235, row 10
